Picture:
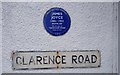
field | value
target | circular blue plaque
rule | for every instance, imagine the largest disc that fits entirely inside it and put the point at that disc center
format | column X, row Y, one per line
column 56, row 21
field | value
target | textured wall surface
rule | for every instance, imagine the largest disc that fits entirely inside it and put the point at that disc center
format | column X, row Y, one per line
column 1, row 37
column 92, row 27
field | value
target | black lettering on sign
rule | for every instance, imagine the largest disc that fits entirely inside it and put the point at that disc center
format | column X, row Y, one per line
column 45, row 60
column 23, row 60
column 84, row 59
column 57, row 62
column 87, row 59
column 93, row 58
column 38, row 59
column 63, row 59
column 80, row 59
column 32, row 61
column 74, row 59
column 18, row 60
column 51, row 60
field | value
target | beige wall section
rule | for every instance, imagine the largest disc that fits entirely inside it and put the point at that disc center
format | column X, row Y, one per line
column 92, row 28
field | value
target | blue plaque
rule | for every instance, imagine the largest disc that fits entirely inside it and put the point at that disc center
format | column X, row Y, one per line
column 56, row 21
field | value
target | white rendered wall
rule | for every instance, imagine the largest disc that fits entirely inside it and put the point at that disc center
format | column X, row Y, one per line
column 1, row 37
column 93, row 27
